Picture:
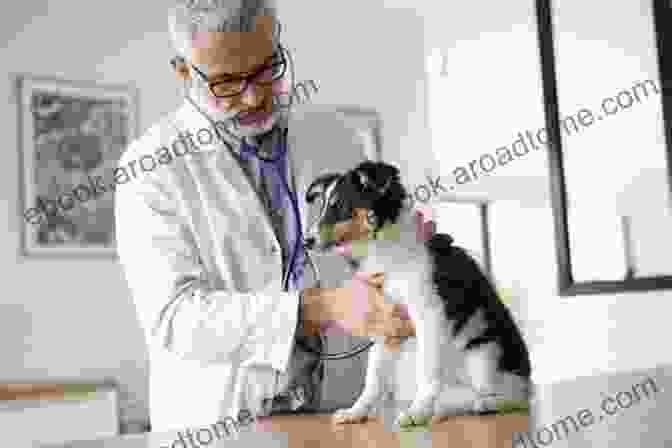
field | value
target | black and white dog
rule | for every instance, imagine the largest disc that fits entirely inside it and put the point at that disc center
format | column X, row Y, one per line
column 451, row 302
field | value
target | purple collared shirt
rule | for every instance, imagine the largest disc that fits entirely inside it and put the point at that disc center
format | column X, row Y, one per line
column 275, row 185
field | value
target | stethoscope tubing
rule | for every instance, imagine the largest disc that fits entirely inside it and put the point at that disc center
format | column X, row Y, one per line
column 300, row 240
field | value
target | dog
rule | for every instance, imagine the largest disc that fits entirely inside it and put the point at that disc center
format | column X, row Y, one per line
column 452, row 303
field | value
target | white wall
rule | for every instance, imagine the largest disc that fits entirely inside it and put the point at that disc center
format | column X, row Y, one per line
column 74, row 320
column 572, row 336
column 492, row 91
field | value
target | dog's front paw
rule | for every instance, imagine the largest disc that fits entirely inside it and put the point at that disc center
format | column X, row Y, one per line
column 419, row 414
column 355, row 414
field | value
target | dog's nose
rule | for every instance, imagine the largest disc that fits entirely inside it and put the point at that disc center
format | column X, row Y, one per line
column 310, row 242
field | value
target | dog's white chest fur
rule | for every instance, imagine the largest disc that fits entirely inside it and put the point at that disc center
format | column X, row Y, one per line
column 407, row 266
column 408, row 281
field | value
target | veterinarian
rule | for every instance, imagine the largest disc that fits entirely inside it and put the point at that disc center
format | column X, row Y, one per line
column 206, row 240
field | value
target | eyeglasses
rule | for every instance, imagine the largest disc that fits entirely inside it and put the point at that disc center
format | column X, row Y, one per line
column 229, row 86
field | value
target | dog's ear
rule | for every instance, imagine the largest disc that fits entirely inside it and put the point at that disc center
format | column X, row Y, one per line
column 377, row 176
column 388, row 174
column 365, row 175
column 364, row 180
column 319, row 185
column 382, row 190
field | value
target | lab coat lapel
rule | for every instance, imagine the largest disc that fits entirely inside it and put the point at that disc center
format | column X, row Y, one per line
column 190, row 119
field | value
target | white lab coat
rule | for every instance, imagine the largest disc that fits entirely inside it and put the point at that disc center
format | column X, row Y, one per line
column 198, row 217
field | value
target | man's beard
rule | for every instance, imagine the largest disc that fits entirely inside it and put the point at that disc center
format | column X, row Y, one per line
column 236, row 122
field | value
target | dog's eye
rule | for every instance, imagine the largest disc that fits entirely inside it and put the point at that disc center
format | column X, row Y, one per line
column 372, row 218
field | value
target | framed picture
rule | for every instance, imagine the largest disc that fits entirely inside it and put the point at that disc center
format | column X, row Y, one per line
column 71, row 136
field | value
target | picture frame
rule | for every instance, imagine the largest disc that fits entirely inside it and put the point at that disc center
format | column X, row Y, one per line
column 71, row 135
column 573, row 281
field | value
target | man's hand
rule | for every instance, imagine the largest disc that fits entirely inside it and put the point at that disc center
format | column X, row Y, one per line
column 397, row 317
column 358, row 310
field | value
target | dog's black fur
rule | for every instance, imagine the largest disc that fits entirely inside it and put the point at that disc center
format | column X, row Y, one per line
column 464, row 289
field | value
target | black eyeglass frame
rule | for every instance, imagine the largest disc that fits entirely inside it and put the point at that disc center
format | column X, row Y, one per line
column 246, row 79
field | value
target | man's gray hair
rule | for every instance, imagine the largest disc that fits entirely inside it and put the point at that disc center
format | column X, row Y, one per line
column 190, row 16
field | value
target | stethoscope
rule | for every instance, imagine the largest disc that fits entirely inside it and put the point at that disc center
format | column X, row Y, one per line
column 302, row 241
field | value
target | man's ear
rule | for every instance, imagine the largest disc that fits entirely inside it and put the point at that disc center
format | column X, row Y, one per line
column 181, row 68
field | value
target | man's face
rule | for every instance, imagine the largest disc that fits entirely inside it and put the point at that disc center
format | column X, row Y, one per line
column 221, row 55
